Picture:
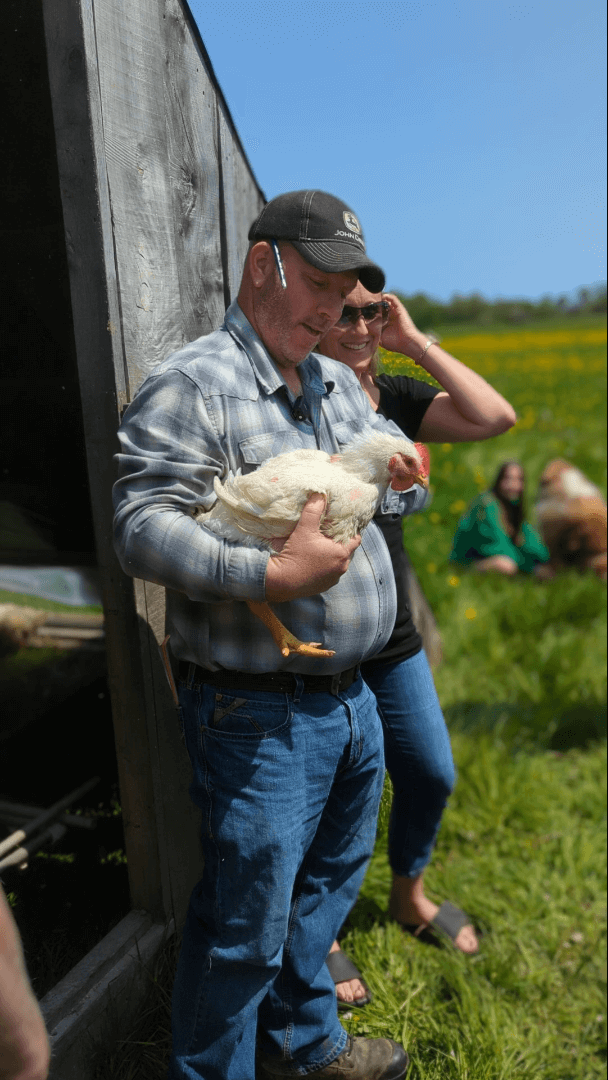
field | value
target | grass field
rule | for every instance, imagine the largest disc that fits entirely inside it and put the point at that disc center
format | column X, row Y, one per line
column 522, row 847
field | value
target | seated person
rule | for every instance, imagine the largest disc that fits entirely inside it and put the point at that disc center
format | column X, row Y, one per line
column 493, row 534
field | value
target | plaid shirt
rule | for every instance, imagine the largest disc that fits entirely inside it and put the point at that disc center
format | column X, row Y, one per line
column 217, row 405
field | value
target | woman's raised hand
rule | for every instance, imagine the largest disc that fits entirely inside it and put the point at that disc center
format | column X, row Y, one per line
column 400, row 333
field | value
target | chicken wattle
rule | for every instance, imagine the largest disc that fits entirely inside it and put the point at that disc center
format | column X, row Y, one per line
column 265, row 505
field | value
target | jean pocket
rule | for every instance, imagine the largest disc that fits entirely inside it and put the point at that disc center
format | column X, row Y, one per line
column 241, row 715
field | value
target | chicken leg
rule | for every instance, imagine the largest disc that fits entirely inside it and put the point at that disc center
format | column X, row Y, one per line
column 286, row 641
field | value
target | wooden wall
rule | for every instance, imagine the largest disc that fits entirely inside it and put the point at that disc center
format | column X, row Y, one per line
column 157, row 198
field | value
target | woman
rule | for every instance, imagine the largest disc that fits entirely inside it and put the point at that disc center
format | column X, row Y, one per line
column 493, row 534
column 417, row 745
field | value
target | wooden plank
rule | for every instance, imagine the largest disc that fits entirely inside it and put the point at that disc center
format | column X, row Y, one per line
column 194, row 177
column 102, row 995
column 178, row 820
column 242, row 201
column 129, row 43
column 158, row 197
column 252, row 183
column 73, row 77
column 163, row 188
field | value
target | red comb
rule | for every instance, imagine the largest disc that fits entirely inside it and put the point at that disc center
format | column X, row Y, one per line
column 425, row 458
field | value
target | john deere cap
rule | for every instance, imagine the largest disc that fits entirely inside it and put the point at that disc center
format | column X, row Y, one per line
column 323, row 230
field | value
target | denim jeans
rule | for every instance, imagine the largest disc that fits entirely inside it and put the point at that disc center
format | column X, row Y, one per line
column 418, row 758
column 289, row 787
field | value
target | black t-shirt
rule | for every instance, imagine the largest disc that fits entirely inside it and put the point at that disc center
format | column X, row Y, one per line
column 404, row 401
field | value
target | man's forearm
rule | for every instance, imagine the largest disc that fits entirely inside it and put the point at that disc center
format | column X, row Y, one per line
column 169, row 548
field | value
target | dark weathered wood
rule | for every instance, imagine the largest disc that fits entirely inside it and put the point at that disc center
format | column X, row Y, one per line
column 157, row 197
column 131, row 72
column 178, row 821
column 74, row 81
column 102, row 995
column 194, row 178
column 242, row 203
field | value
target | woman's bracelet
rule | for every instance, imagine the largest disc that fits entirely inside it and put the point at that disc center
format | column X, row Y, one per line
column 431, row 341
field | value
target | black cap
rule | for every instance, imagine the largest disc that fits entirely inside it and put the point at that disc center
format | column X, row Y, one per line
column 323, row 230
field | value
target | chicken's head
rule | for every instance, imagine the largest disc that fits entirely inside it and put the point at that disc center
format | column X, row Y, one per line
column 406, row 471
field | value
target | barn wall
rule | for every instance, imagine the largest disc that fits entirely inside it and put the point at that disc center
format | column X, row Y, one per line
column 157, row 198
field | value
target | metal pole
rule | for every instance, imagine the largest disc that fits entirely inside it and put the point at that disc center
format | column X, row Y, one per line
column 46, row 816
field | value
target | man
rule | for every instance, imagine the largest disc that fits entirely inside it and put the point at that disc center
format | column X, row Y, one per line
column 286, row 752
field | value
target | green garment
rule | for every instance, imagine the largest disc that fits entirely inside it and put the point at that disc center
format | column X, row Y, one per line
column 480, row 534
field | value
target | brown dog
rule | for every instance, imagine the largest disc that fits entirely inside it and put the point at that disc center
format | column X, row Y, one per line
column 572, row 518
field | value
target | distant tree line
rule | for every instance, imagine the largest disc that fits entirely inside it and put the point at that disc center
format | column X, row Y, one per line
column 428, row 313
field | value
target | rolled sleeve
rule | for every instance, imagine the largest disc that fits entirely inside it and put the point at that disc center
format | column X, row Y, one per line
column 169, row 456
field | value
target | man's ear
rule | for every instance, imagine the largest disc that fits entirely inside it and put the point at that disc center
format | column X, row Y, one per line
column 261, row 263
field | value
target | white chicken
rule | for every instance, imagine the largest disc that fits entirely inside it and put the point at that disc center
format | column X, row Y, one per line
column 265, row 505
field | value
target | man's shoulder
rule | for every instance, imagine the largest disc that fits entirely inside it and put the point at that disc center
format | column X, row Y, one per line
column 215, row 362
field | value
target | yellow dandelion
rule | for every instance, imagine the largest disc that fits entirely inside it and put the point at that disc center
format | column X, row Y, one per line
column 470, row 613
column 446, row 447
column 431, row 567
column 457, row 507
column 454, row 581
column 434, row 517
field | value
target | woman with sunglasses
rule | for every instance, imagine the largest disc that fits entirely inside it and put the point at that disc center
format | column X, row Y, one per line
column 417, row 744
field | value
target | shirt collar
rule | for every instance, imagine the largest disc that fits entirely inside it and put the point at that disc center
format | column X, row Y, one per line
column 265, row 370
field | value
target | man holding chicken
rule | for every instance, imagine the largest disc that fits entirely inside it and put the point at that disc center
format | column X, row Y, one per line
column 287, row 752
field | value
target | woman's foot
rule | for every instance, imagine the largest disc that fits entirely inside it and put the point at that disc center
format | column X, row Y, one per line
column 350, row 991
column 409, row 905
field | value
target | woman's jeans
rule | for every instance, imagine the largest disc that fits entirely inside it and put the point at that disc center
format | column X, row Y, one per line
column 418, row 758
column 289, row 787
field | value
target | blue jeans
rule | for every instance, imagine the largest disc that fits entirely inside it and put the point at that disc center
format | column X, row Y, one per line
column 418, row 758
column 289, row 787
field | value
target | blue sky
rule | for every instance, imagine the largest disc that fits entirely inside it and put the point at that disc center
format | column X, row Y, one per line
column 468, row 137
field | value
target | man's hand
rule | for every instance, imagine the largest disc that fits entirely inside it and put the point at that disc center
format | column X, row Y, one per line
column 308, row 562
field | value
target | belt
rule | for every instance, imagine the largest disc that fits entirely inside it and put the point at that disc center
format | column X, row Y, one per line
column 278, row 682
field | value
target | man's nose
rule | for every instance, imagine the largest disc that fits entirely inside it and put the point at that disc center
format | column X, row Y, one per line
column 331, row 307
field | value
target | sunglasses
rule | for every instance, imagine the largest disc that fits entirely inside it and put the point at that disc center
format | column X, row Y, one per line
column 371, row 312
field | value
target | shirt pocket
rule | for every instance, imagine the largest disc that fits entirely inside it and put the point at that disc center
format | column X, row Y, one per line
column 257, row 449
column 347, row 430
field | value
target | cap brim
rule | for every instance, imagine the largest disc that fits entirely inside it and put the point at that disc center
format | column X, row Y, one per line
column 334, row 258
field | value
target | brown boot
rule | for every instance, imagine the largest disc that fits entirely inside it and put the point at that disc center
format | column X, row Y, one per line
column 363, row 1059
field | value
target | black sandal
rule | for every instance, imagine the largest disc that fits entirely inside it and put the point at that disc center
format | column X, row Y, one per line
column 342, row 969
column 448, row 922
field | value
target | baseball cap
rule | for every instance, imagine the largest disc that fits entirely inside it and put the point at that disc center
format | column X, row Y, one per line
column 323, row 230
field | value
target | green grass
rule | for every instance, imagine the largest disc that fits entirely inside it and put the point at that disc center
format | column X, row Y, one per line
column 523, row 851
column 42, row 604
column 522, row 845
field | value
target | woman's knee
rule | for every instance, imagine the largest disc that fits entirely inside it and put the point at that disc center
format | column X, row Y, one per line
column 441, row 782
column 429, row 783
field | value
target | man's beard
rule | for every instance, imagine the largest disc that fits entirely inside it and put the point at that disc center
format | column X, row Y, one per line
column 275, row 321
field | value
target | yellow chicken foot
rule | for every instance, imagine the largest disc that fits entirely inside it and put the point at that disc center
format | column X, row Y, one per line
column 287, row 642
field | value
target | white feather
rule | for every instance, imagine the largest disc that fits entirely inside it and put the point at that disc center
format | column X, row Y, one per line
column 266, row 504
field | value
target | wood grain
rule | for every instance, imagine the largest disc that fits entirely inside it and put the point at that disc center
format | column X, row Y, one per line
column 157, row 199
